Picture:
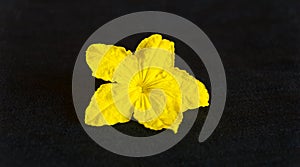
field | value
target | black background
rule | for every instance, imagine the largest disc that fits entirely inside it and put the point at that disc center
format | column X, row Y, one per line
column 258, row 42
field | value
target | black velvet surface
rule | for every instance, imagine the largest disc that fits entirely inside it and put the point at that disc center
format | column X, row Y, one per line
column 258, row 42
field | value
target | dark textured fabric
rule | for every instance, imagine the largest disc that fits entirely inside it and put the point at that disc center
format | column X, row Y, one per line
column 258, row 42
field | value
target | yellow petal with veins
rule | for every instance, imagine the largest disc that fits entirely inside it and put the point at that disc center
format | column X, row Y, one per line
column 156, row 41
column 102, row 110
column 194, row 93
column 103, row 59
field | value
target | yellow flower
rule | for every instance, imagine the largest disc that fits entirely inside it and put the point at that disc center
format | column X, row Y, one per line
column 145, row 85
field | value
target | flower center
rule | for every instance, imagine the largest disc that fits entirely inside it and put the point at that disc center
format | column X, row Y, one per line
column 142, row 88
column 147, row 87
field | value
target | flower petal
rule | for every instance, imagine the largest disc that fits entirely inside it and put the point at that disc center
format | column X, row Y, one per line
column 169, row 118
column 155, row 41
column 176, row 123
column 143, row 60
column 126, row 70
column 165, row 120
column 194, row 93
column 102, row 110
column 103, row 59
